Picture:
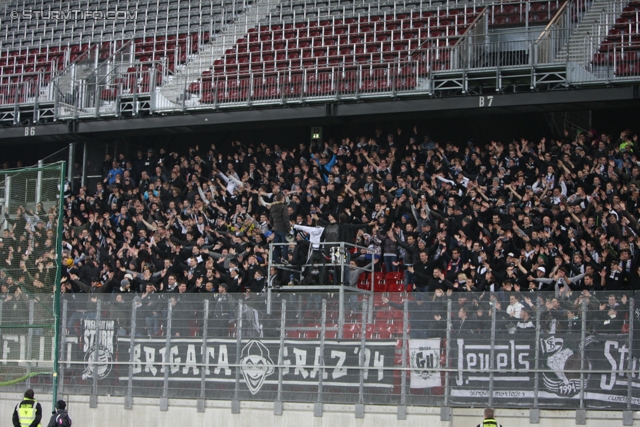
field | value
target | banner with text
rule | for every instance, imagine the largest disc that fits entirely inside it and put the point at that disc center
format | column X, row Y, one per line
column 603, row 382
column 424, row 356
column 186, row 357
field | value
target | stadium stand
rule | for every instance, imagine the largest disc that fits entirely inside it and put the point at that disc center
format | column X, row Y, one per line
column 42, row 40
column 299, row 49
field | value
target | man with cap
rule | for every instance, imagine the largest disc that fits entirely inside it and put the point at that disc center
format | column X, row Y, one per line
column 60, row 418
column 27, row 413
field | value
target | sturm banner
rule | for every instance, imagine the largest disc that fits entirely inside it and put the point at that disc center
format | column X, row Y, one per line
column 603, row 384
column 98, row 348
column 302, row 361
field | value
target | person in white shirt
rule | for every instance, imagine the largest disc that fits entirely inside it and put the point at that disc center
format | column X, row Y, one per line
column 515, row 307
column 315, row 255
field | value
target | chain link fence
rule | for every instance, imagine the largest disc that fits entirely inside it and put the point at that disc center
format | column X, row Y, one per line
column 427, row 349
column 29, row 270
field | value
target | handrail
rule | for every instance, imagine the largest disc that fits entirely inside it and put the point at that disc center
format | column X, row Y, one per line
column 78, row 59
column 463, row 37
column 556, row 18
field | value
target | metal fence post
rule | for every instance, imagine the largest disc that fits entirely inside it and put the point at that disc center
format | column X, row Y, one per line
column 63, row 339
column 492, row 354
column 277, row 405
column 361, row 360
column 93, row 400
column 627, row 415
column 29, row 342
column 318, row 405
column 581, row 414
column 128, row 399
column 203, row 372
column 269, row 283
column 445, row 411
column 402, row 408
column 235, row 403
column 534, row 413
column 340, row 311
column 164, row 400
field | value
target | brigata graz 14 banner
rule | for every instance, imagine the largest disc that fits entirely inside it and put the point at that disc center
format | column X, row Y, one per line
column 604, row 383
column 302, row 359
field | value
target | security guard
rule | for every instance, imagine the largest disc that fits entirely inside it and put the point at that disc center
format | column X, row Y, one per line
column 489, row 421
column 28, row 413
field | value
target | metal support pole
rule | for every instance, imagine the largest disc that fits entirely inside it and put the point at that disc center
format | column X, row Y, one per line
column 581, row 414
column 70, row 166
column 402, row 408
column 340, row 311
column 29, row 342
column 83, row 179
column 534, row 413
column 361, row 361
column 318, row 407
column 39, row 183
column 445, row 411
column 63, row 340
column 269, row 282
column 128, row 398
column 235, row 403
column 203, row 371
column 164, row 401
column 56, row 295
column 7, row 198
column 343, row 254
column 492, row 354
column 277, row 405
column 93, row 399
column 627, row 415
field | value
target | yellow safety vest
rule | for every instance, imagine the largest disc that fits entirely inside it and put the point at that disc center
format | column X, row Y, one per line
column 489, row 422
column 27, row 412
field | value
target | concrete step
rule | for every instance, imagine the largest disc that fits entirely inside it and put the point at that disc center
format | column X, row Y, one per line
column 174, row 90
column 574, row 50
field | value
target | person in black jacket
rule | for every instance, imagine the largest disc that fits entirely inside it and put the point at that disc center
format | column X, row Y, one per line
column 60, row 417
column 222, row 313
column 279, row 218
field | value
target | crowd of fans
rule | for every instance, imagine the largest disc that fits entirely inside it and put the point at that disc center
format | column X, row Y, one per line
column 486, row 225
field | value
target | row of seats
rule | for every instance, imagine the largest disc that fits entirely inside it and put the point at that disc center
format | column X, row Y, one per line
column 621, row 47
column 326, row 89
column 323, row 76
column 42, row 63
column 453, row 26
column 326, row 43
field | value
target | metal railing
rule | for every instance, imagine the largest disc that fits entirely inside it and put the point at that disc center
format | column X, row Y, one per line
column 380, row 72
column 541, row 350
column 606, row 20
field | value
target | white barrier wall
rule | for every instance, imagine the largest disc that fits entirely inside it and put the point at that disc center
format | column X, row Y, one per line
column 146, row 412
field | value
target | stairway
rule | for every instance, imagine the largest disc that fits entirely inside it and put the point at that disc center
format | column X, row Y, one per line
column 173, row 91
column 575, row 50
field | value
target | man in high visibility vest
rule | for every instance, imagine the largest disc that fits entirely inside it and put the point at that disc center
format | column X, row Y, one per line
column 489, row 421
column 28, row 413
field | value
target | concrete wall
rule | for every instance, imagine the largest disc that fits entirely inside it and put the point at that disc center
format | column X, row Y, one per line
column 110, row 412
